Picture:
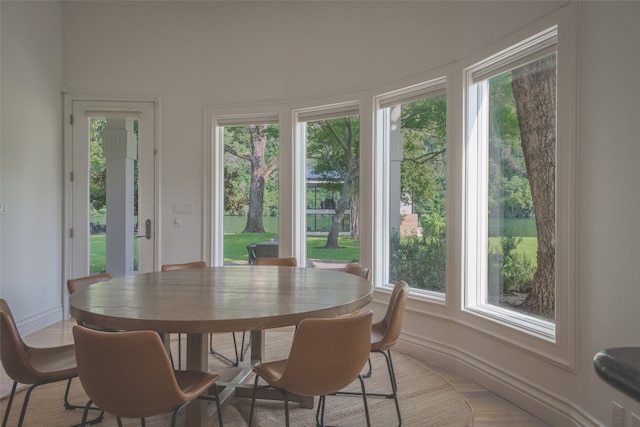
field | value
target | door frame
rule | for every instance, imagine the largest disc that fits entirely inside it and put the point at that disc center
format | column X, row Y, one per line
column 67, row 255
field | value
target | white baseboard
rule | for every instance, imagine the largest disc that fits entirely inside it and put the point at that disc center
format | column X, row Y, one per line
column 39, row 321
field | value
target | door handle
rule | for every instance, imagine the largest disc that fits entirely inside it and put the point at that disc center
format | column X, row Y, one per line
column 147, row 230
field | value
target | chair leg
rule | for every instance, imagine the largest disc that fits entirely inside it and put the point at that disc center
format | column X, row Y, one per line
column 253, row 401
column 323, row 399
column 222, row 356
column 286, row 408
column 243, row 349
column 392, row 378
column 364, row 399
column 215, row 397
column 285, row 397
column 218, row 408
column 394, row 384
column 25, row 403
column 72, row 407
column 85, row 413
column 6, row 414
column 69, row 406
column 368, row 374
column 320, row 411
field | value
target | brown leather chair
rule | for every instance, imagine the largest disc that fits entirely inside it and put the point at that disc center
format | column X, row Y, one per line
column 358, row 270
column 33, row 365
column 129, row 375
column 326, row 355
column 81, row 282
column 185, row 265
column 285, row 262
column 385, row 334
column 201, row 264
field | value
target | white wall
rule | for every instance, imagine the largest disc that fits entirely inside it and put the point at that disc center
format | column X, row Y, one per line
column 609, row 202
column 193, row 55
column 31, row 161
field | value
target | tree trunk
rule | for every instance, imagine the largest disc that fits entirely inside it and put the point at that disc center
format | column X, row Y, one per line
column 260, row 172
column 338, row 217
column 534, row 89
column 255, row 223
column 353, row 217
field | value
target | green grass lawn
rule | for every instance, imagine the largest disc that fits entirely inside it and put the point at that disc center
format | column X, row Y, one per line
column 529, row 246
column 235, row 243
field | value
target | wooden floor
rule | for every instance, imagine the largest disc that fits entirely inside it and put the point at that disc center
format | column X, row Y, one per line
column 488, row 408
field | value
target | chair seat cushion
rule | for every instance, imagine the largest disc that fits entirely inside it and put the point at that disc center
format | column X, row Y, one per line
column 195, row 383
column 271, row 371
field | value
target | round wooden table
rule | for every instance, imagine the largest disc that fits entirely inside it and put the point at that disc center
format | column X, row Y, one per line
column 219, row 299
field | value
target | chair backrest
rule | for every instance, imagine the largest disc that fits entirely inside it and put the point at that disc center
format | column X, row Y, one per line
column 287, row 262
column 358, row 270
column 392, row 321
column 13, row 350
column 184, row 266
column 127, row 374
column 80, row 282
column 327, row 354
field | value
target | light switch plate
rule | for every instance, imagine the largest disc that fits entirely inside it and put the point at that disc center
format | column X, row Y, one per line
column 183, row 208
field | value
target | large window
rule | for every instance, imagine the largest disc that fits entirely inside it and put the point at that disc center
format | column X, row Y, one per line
column 331, row 139
column 465, row 181
column 413, row 132
column 251, row 150
column 511, row 174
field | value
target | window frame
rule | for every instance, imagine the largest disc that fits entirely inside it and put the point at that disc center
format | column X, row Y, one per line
column 382, row 113
column 215, row 121
column 555, row 342
column 300, row 118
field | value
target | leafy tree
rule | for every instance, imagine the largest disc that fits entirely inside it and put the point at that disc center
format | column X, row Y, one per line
column 420, row 259
column 97, row 164
column 509, row 193
column 234, row 198
column 257, row 145
column 334, row 147
column 423, row 171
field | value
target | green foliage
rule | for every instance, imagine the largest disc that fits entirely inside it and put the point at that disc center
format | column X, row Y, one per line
column 423, row 170
column 510, row 270
column 420, row 260
column 333, row 146
column 97, row 164
column 509, row 188
column 234, row 198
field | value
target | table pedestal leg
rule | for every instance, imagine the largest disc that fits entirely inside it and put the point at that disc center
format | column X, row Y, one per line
column 197, row 360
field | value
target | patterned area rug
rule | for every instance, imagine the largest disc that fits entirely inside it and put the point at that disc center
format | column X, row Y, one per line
column 426, row 398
